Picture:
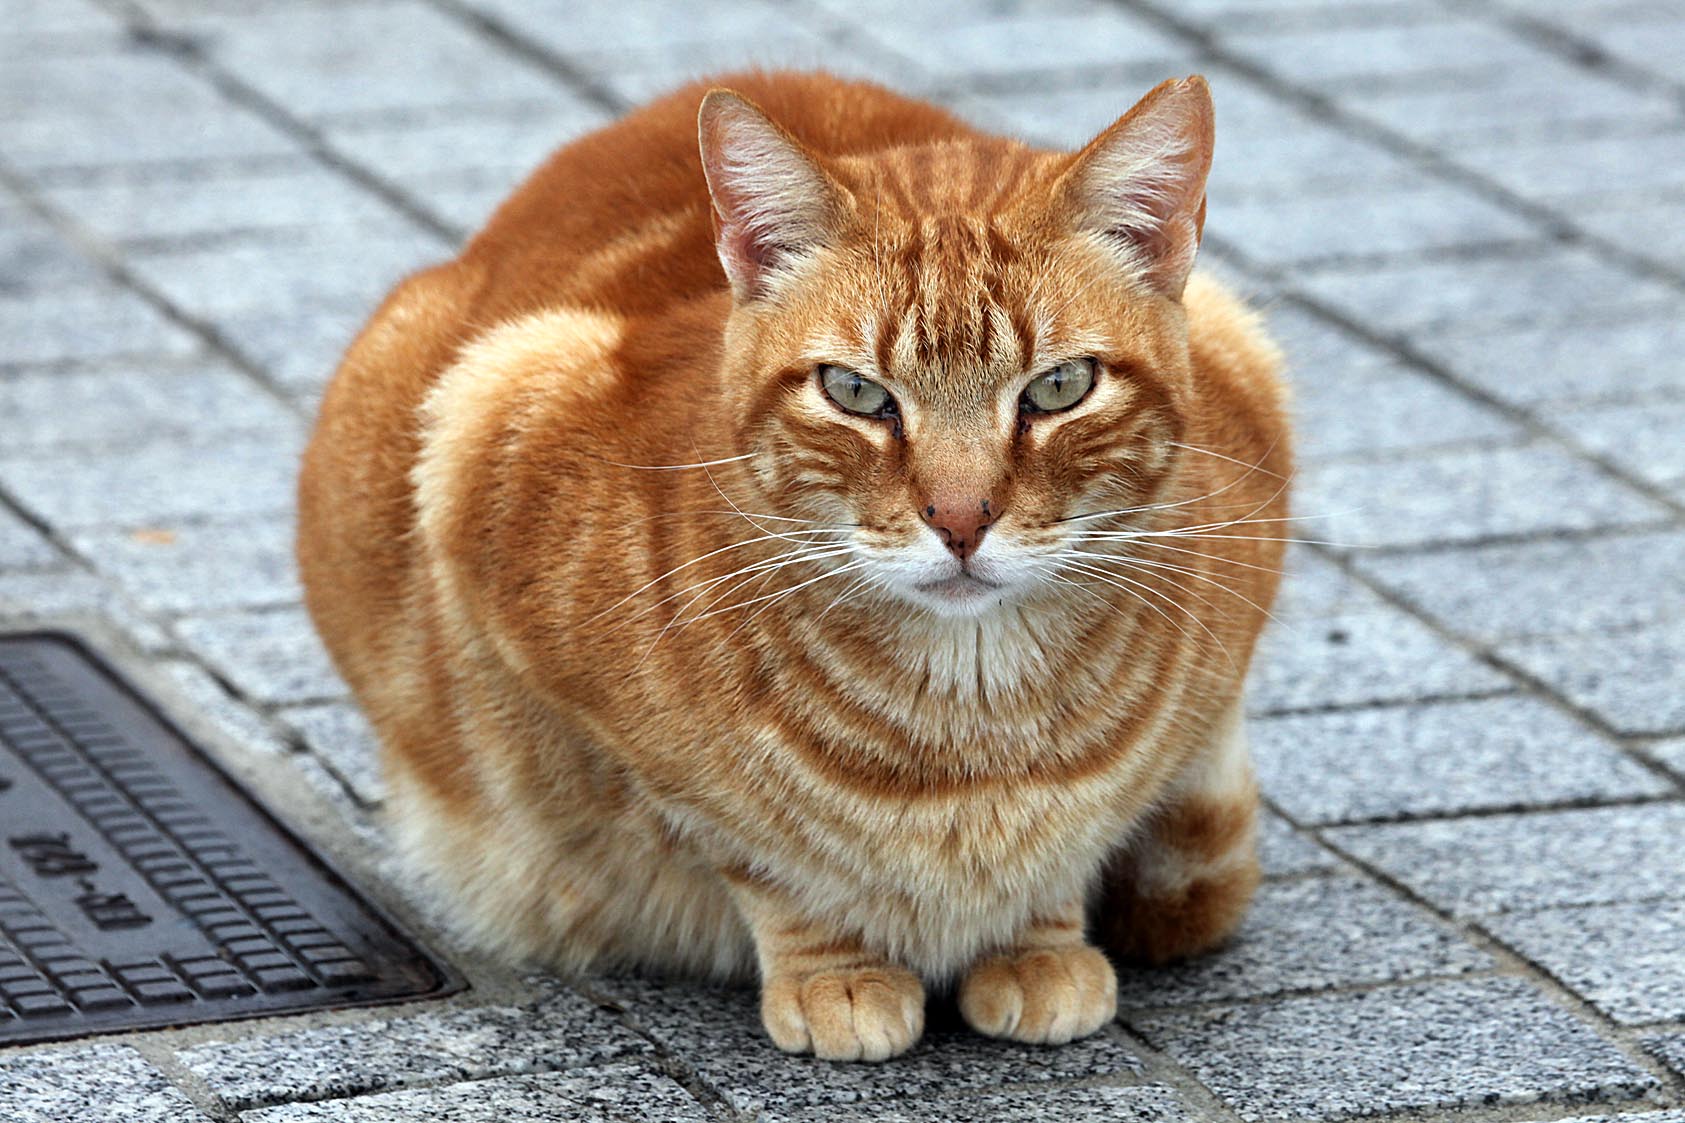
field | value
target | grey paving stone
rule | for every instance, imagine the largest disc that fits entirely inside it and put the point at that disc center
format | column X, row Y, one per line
column 1284, row 852
column 157, row 484
column 1146, row 1104
column 1335, row 643
column 68, row 17
column 1568, row 12
column 269, row 656
column 1670, row 1049
column 1635, row 1117
column 143, row 109
column 90, row 1082
column 1644, row 439
column 719, row 1031
column 1309, row 935
column 1265, row 148
column 340, row 734
column 1465, row 495
column 606, row 26
column 1316, row 349
column 263, row 200
column 1560, row 169
column 1444, row 758
column 993, row 45
column 558, row 1030
column 401, row 55
column 1630, row 679
column 1498, row 592
column 54, row 598
column 205, row 699
column 370, row 833
column 1656, row 42
column 34, row 257
column 1426, row 299
column 134, row 404
column 1505, row 863
column 1671, row 755
column 1334, row 411
column 1545, row 363
column 612, row 1094
column 25, row 43
column 1624, row 959
column 22, row 547
column 1371, row 653
column 1269, row 12
column 1653, row 230
column 1547, row 98
column 1295, row 229
column 464, row 199
column 299, row 351
column 199, row 567
column 1423, row 1047
column 288, row 279
column 1309, row 158
column 1420, row 54
column 513, row 142
column 637, row 76
column 86, row 325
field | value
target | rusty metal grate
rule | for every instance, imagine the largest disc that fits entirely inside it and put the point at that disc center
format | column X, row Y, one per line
column 139, row 887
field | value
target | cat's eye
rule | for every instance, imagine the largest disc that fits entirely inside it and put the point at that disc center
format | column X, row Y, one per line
column 855, row 392
column 1060, row 388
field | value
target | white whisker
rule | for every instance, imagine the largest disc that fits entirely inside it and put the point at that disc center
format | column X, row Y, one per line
column 1250, row 468
column 679, row 467
column 774, row 598
column 784, row 560
column 1121, row 582
column 1143, row 563
column 1218, row 558
column 781, row 535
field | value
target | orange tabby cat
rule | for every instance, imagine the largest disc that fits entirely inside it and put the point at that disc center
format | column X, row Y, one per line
column 834, row 551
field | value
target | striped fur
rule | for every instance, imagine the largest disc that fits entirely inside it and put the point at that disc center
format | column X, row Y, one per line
column 549, row 525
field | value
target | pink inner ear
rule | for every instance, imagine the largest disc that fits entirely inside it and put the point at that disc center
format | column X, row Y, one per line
column 1155, row 221
column 770, row 199
column 1169, row 236
column 740, row 246
column 1142, row 182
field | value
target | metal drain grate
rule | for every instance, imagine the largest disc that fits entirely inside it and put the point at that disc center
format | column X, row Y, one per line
column 139, row 887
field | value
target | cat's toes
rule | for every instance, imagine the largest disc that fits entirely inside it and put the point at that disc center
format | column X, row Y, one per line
column 845, row 1014
column 1044, row 997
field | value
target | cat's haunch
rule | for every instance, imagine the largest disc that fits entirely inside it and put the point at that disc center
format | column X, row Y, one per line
column 803, row 534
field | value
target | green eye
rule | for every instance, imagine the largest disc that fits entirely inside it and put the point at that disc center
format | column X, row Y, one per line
column 855, row 392
column 1060, row 388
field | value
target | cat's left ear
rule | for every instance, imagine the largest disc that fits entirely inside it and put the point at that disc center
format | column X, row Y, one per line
column 772, row 202
column 1141, row 183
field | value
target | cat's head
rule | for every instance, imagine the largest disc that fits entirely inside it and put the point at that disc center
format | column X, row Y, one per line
column 954, row 355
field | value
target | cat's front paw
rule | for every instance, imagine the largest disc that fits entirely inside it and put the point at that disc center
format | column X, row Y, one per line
column 845, row 1014
column 1047, row 996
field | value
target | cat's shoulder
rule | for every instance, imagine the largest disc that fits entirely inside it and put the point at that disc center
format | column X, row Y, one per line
column 567, row 353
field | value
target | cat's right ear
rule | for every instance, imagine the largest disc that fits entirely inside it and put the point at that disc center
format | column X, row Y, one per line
column 1140, row 185
column 772, row 202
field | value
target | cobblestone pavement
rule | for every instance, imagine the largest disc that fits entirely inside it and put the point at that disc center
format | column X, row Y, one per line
column 1467, row 221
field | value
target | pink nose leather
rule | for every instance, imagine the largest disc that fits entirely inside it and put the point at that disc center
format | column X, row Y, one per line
column 960, row 521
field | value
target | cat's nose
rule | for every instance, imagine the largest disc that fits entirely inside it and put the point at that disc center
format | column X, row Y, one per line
column 960, row 521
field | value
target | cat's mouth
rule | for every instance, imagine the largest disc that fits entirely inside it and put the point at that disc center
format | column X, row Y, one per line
column 959, row 587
